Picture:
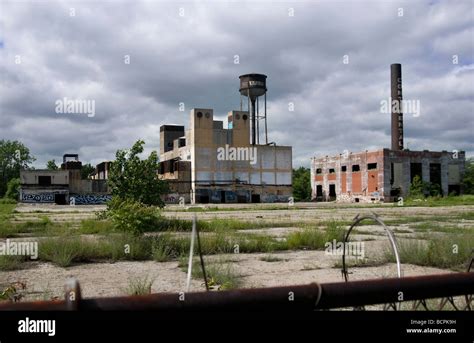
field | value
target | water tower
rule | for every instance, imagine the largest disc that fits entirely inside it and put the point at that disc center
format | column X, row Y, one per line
column 254, row 86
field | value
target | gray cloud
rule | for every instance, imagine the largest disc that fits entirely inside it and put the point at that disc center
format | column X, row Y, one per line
column 190, row 59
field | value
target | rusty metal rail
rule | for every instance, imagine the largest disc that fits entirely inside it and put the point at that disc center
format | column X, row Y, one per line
column 299, row 298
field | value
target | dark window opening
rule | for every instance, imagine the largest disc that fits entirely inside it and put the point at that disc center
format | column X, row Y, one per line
column 435, row 175
column 395, row 192
column 319, row 171
column 454, row 189
column 355, row 168
column 331, row 171
column 203, row 199
column 372, row 166
column 344, row 168
column 241, row 199
column 415, row 169
column 60, row 199
column 255, row 198
column 332, row 191
column 392, row 174
column 319, row 191
column 44, row 180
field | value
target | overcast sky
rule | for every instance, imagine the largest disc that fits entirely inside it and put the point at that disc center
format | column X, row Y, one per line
column 186, row 52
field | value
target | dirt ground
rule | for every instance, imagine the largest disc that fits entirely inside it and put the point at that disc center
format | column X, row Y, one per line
column 306, row 212
column 44, row 280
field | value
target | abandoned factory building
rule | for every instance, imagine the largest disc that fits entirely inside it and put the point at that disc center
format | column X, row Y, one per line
column 385, row 174
column 208, row 163
column 65, row 185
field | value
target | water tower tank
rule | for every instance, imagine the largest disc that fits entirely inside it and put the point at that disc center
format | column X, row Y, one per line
column 253, row 85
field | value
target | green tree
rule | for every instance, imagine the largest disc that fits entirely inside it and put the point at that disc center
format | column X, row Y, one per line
column 86, row 170
column 51, row 165
column 13, row 189
column 468, row 179
column 301, row 184
column 135, row 179
column 13, row 156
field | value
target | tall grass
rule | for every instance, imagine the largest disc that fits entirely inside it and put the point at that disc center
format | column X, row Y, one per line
column 467, row 199
column 94, row 226
column 315, row 238
column 8, row 262
column 451, row 252
column 139, row 286
column 219, row 274
column 43, row 226
column 64, row 251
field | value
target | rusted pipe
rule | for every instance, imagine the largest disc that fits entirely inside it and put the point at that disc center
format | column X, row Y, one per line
column 381, row 291
column 298, row 298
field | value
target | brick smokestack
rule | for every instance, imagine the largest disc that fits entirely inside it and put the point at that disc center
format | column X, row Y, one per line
column 397, row 111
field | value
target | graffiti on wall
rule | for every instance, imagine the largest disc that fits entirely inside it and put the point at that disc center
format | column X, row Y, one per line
column 39, row 197
column 89, row 199
column 271, row 198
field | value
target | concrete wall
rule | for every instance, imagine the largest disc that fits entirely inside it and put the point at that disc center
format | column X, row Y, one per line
column 64, row 183
column 211, row 175
column 58, row 177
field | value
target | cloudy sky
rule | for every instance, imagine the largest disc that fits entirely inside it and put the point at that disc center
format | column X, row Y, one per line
column 186, row 52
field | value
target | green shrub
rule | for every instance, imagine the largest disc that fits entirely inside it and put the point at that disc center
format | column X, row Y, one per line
column 13, row 189
column 7, row 201
column 131, row 216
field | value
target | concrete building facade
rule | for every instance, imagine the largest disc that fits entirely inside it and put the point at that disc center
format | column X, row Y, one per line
column 63, row 187
column 386, row 174
column 208, row 163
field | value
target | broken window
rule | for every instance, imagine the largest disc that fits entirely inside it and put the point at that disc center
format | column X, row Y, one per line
column 44, row 180
column 319, row 171
column 331, row 171
column 355, row 168
column 415, row 169
column 435, row 175
column 344, row 169
column 372, row 166
column 319, row 190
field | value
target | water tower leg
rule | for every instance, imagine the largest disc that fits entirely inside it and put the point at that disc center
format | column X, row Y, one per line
column 258, row 124
column 266, row 133
column 253, row 121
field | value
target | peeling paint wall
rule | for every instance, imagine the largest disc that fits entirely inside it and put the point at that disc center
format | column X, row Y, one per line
column 383, row 175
